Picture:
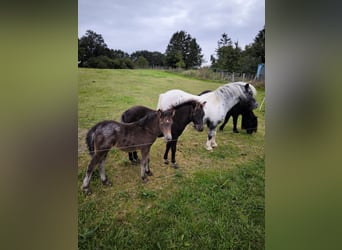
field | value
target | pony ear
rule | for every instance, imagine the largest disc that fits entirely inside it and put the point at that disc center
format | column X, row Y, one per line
column 203, row 103
column 247, row 86
column 159, row 112
column 173, row 111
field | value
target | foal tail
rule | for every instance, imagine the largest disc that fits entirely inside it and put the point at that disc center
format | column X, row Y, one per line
column 90, row 140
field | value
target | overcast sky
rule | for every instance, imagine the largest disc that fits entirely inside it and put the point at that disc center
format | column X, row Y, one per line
column 132, row 25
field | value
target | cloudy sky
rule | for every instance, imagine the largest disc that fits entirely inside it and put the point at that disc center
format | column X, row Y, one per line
column 132, row 25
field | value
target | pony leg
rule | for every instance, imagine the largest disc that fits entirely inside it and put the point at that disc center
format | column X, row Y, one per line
column 135, row 156
column 130, row 156
column 167, row 149
column 226, row 119
column 103, row 176
column 173, row 154
column 213, row 140
column 235, row 118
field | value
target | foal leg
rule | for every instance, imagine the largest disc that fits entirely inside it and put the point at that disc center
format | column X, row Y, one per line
column 167, row 149
column 145, row 159
column 173, row 154
column 103, row 176
column 93, row 162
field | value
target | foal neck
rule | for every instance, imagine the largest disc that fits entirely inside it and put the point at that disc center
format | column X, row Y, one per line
column 150, row 123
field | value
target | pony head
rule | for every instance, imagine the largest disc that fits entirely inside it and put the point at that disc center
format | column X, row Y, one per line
column 248, row 98
column 197, row 115
column 249, row 122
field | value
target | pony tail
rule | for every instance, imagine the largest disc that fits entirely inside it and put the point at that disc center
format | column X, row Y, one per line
column 90, row 140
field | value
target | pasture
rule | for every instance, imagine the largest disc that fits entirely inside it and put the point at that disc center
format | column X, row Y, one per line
column 215, row 200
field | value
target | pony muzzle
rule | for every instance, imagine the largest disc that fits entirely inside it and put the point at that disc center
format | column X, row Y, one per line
column 198, row 127
column 168, row 138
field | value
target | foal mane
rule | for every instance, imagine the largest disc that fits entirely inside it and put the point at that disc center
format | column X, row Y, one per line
column 141, row 122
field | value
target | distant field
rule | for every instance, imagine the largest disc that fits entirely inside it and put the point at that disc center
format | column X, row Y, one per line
column 215, row 200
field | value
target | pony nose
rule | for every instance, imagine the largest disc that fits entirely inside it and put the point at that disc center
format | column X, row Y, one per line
column 168, row 138
column 198, row 127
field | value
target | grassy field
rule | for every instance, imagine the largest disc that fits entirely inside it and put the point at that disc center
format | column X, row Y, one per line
column 215, row 200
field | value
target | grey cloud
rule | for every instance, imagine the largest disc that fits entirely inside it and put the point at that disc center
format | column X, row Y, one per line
column 132, row 25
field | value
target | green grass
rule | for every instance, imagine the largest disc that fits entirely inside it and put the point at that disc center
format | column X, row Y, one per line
column 215, row 200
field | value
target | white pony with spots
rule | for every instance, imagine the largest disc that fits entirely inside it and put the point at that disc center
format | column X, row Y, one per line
column 219, row 102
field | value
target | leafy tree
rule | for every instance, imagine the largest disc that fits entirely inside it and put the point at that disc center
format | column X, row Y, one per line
column 94, row 53
column 90, row 45
column 183, row 51
column 154, row 58
column 254, row 53
column 259, row 46
column 141, row 62
column 228, row 55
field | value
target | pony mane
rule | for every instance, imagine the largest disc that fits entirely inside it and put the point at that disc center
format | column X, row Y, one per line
column 230, row 90
column 174, row 98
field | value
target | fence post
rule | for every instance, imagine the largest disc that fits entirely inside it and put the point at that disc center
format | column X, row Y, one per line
column 233, row 79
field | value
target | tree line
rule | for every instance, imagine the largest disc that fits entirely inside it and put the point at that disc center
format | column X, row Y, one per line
column 182, row 51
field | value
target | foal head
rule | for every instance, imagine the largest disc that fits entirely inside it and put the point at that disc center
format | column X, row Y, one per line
column 248, row 97
column 197, row 115
column 165, row 122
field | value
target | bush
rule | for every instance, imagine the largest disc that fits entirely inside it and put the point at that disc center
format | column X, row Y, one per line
column 104, row 62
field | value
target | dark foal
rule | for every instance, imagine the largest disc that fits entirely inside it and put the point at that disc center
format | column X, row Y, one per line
column 249, row 120
column 139, row 135
column 191, row 111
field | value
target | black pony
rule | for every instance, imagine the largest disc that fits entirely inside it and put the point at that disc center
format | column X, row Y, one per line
column 191, row 111
column 249, row 121
column 245, row 109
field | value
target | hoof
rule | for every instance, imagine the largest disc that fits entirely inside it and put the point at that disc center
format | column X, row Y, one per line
column 209, row 148
column 144, row 179
column 135, row 162
column 214, row 145
column 175, row 166
column 235, row 131
column 87, row 191
column 107, row 182
column 166, row 161
column 149, row 173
